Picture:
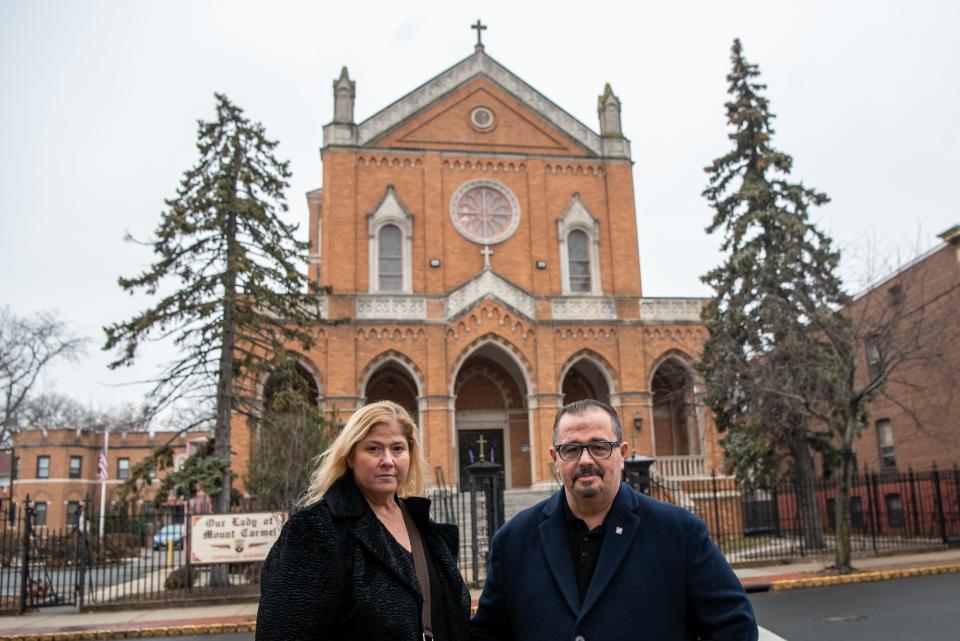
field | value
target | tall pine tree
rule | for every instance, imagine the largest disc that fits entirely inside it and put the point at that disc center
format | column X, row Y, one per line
column 762, row 362
column 226, row 280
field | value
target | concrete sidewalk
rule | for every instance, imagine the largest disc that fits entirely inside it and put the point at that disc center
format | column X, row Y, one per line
column 813, row 573
column 67, row 625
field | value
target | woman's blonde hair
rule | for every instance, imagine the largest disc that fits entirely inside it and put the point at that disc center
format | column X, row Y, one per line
column 333, row 463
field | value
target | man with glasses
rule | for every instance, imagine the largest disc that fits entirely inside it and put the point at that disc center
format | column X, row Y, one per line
column 599, row 561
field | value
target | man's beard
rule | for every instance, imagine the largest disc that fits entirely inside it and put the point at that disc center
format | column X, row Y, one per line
column 590, row 491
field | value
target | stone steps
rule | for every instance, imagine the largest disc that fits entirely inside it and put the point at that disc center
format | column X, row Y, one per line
column 520, row 499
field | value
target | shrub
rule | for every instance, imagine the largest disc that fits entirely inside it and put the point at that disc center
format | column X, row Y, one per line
column 181, row 578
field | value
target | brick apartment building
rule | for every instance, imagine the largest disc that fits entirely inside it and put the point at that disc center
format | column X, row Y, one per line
column 59, row 468
column 916, row 421
column 481, row 246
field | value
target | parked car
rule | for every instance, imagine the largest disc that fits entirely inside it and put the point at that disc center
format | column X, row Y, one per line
column 172, row 532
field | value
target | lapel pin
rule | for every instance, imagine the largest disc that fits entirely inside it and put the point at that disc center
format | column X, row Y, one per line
column 619, row 530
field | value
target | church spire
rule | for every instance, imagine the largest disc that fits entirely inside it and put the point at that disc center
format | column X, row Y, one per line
column 615, row 145
column 608, row 108
column 342, row 130
column 344, row 94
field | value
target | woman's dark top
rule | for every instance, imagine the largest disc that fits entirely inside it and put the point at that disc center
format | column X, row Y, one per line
column 336, row 573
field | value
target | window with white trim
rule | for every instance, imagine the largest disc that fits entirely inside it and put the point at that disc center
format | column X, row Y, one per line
column 76, row 466
column 579, row 242
column 888, row 455
column 874, row 357
column 390, row 229
column 40, row 513
column 73, row 513
column 43, row 467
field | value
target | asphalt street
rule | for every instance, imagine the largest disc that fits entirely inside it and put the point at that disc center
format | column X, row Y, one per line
column 917, row 609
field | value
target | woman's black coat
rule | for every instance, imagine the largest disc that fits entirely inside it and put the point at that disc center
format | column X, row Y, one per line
column 335, row 573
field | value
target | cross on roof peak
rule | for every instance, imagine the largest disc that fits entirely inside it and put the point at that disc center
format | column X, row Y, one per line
column 480, row 28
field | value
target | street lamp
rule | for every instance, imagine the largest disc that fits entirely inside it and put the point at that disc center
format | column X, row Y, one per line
column 637, row 427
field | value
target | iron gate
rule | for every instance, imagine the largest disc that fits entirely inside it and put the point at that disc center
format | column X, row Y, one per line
column 49, row 564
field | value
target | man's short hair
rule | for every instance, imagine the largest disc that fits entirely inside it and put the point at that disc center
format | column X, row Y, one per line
column 579, row 408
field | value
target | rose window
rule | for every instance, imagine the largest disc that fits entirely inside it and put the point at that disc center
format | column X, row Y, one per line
column 485, row 213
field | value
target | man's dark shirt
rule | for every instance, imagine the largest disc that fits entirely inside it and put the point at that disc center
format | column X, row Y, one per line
column 584, row 547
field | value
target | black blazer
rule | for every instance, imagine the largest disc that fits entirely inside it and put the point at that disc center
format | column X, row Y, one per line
column 658, row 578
column 335, row 573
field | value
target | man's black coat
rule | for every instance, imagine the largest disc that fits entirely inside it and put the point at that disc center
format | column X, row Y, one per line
column 658, row 578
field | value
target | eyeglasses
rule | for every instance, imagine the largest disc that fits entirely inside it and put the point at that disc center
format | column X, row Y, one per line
column 599, row 450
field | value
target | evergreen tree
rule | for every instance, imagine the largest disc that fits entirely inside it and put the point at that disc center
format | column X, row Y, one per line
column 200, row 471
column 764, row 361
column 226, row 280
column 292, row 433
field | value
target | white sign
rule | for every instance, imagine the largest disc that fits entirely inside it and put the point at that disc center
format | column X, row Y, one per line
column 232, row 538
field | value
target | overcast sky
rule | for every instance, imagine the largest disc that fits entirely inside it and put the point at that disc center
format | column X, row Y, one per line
column 100, row 101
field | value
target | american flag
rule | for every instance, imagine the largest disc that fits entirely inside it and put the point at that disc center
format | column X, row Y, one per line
column 102, row 466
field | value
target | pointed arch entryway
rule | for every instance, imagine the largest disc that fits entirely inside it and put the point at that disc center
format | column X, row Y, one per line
column 393, row 377
column 491, row 419
column 676, row 423
column 586, row 375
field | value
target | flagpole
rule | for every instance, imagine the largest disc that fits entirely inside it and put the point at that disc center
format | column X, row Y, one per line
column 103, row 478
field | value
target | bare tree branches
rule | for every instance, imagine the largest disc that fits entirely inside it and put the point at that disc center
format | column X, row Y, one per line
column 51, row 411
column 28, row 345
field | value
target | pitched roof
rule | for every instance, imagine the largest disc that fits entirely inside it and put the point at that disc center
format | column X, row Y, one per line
column 479, row 63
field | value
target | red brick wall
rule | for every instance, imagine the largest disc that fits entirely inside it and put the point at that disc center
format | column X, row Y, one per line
column 60, row 445
column 922, row 398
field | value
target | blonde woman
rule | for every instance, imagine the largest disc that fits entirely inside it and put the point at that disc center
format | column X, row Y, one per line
column 344, row 566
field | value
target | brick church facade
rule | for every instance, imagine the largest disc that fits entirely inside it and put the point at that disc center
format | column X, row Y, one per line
column 481, row 248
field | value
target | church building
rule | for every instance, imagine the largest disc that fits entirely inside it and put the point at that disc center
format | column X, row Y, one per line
column 480, row 246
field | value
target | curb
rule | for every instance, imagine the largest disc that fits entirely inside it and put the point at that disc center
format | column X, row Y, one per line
column 862, row 577
column 251, row 626
column 137, row 633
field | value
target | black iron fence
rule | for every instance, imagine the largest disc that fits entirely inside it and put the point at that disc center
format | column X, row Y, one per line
column 140, row 556
column 477, row 509
column 889, row 512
